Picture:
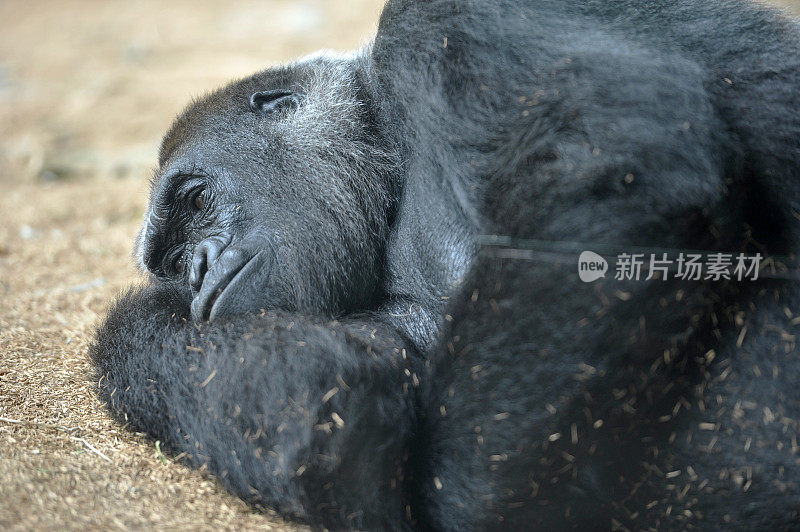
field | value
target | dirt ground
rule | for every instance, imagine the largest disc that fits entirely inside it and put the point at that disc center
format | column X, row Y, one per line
column 86, row 90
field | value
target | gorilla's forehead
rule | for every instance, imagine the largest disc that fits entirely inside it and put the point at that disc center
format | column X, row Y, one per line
column 226, row 110
column 223, row 109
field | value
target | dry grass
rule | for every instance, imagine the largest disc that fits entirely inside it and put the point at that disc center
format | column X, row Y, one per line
column 86, row 89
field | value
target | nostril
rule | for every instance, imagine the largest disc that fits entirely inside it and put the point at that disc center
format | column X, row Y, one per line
column 205, row 255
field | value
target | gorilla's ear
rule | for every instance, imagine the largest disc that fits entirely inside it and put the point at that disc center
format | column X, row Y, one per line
column 276, row 101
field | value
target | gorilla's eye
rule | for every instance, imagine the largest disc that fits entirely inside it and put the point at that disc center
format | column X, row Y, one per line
column 198, row 199
column 270, row 102
column 173, row 264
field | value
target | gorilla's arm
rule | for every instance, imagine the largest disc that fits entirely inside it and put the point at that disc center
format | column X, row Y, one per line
column 306, row 416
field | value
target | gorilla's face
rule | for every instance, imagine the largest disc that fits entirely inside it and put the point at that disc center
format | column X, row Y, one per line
column 271, row 193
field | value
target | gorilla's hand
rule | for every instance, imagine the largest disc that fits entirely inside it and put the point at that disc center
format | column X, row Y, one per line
column 306, row 415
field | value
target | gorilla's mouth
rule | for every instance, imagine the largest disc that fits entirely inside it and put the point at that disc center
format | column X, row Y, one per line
column 231, row 292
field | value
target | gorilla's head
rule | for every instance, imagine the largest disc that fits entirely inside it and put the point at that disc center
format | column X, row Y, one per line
column 274, row 192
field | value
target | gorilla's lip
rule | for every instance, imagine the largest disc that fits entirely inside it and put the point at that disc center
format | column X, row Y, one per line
column 226, row 292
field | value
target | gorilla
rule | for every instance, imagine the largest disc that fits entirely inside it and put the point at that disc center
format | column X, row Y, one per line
column 363, row 307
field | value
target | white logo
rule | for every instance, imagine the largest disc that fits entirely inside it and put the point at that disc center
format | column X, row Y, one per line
column 591, row 266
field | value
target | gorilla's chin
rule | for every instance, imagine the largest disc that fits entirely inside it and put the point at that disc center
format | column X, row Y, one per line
column 236, row 287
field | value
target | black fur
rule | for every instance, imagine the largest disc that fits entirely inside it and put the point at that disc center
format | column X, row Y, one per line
column 460, row 388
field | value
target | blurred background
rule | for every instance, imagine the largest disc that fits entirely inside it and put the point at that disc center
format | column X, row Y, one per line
column 87, row 87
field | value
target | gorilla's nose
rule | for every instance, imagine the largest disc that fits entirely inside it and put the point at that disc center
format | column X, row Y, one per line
column 205, row 254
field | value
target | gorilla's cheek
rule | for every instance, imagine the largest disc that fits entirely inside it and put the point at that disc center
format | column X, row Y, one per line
column 230, row 279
